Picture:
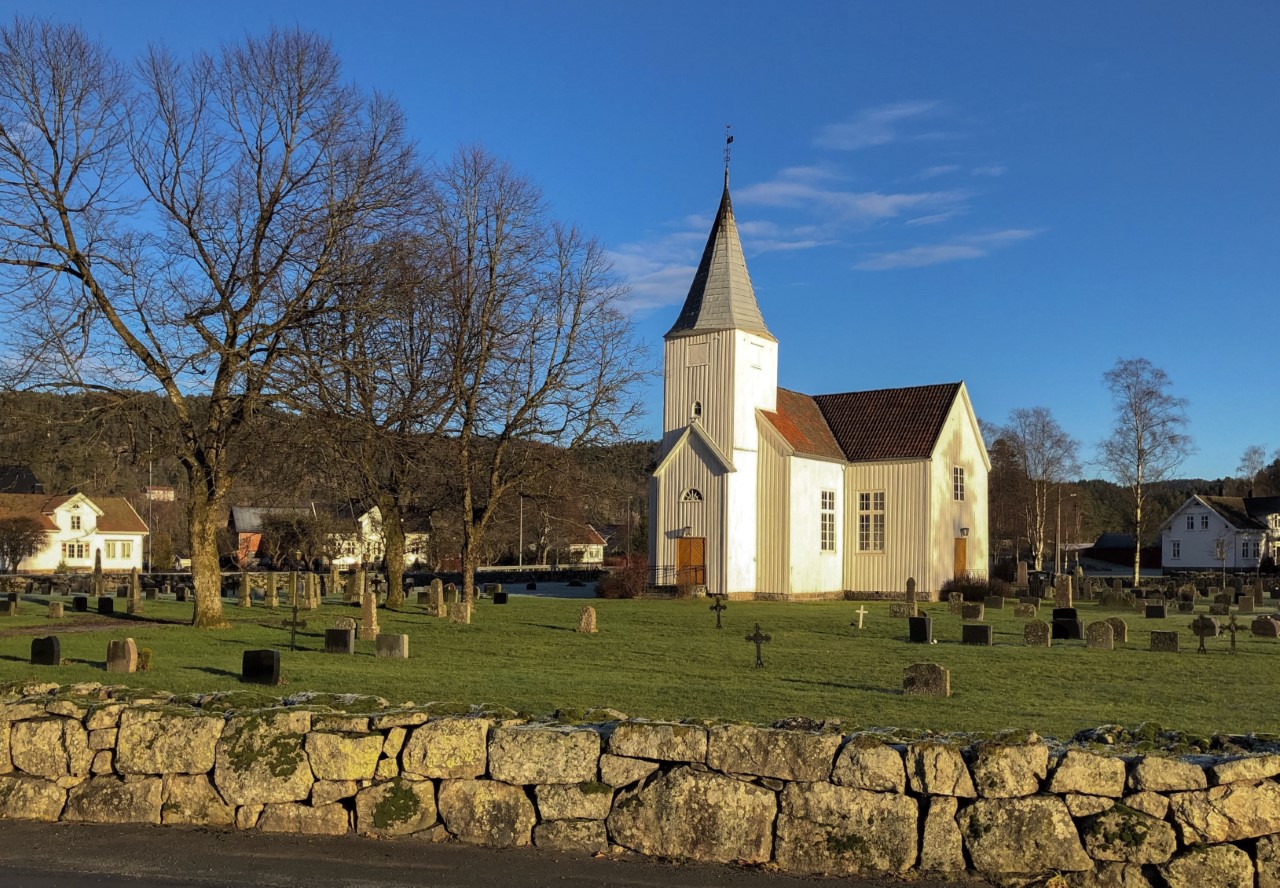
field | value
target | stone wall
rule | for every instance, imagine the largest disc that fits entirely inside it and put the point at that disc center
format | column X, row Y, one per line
column 807, row 800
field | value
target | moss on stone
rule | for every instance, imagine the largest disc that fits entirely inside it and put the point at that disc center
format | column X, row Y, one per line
column 399, row 804
column 254, row 743
column 594, row 788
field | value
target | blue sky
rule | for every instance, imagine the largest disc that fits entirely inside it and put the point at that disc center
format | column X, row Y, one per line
column 1013, row 194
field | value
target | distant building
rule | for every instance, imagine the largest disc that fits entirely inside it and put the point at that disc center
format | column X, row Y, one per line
column 354, row 532
column 158, row 494
column 761, row 491
column 586, row 545
column 78, row 528
column 19, row 479
column 1213, row 532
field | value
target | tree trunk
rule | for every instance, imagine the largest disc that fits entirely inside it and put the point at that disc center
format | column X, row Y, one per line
column 1137, row 546
column 206, row 572
column 470, row 560
column 393, row 549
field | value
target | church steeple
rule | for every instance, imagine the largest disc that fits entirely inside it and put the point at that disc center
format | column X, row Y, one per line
column 721, row 297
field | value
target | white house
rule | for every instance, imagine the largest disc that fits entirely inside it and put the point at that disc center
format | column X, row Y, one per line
column 1213, row 532
column 761, row 491
column 78, row 527
column 586, row 545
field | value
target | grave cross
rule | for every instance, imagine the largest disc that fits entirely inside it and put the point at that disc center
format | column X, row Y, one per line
column 1204, row 627
column 294, row 625
column 719, row 608
column 861, row 612
column 1233, row 629
column 759, row 638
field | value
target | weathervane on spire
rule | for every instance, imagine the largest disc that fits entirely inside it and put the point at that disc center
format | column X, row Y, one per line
column 728, row 140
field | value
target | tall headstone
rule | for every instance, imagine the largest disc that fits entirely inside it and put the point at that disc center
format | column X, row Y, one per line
column 99, row 583
column 135, row 584
column 134, row 606
column 55, row 610
column 294, row 591
column 122, row 655
column 351, row 591
column 1022, row 575
column 920, row 630
column 271, row 598
column 245, row 594
column 369, row 617
column 332, row 588
column 587, row 620
column 435, row 603
column 1062, row 596
column 912, row 601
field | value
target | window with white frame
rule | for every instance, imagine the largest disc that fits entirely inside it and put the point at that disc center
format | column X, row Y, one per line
column 109, row 549
column 871, row 521
column 957, row 484
column 77, row 551
column 1204, row 522
column 828, row 521
column 126, row 548
column 1191, row 522
column 75, row 522
column 1175, row 548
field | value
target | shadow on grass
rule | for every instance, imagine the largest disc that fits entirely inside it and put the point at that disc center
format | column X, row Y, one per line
column 893, row 692
column 95, row 664
column 14, row 659
column 550, row 626
column 210, row 670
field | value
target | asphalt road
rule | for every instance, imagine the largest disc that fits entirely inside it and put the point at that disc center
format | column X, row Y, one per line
column 34, row 855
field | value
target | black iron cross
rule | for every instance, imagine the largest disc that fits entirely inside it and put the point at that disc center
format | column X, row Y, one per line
column 1233, row 628
column 719, row 608
column 759, row 638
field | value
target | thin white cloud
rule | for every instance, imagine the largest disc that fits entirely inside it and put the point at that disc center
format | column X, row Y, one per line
column 933, row 218
column 934, row 172
column 993, row 170
column 857, row 206
column 970, row 247
column 874, row 126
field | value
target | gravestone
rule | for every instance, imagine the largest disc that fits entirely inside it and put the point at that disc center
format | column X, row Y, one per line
column 926, row 680
column 260, row 667
column 1164, row 642
column 182, row 593
column 351, row 589
column 1036, row 633
column 1119, row 630
column 920, row 630
column 862, row 614
column 10, row 608
column 1067, row 624
column 1259, row 594
column 459, row 612
column 956, row 604
column 911, row 595
column 1099, row 635
column 1245, row 605
column 974, row 612
column 1026, row 611
column 122, row 590
column 436, row 605
column 153, row 593
column 976, row 633
column 1232, row 628
column 246, row 593
column 344, row 623
column 1238, row 582
column 392, row 647
column 80, row 604
column 719, row 607
column 1264, row 626
column 900, row 609
column 587, row 620
column 450, row 593
column 1156, row 611
column 122, row 655
column 758, row 638
column 134, row 607
column 1186, row 607
column 437, row 589
column 994, row 602
column 1022, row 575
column 500, row 597
column 1062, row 591
column 531, row 586
column 1219, row 609
column 423, row 593
column 1027, row 599
column 46, row 651
column 106, row 606
column 55, row 610
column 1220, row 597
column 339, row 641
column 492, row 589
column 1117, row 586
column 369, row 617
column 1204, row 627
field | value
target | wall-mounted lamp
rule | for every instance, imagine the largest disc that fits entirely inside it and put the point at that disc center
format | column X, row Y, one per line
column 964, row 531
column 685, row 531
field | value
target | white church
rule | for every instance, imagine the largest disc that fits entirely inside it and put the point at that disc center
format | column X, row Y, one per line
column 761, row 492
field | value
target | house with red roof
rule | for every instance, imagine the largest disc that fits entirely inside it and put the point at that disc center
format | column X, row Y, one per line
column 760, row 491
column 78, row 528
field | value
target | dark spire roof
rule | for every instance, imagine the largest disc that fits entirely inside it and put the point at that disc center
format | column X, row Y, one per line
column 721, row 297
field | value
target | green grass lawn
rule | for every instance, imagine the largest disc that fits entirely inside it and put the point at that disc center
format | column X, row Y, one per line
column 665, row 659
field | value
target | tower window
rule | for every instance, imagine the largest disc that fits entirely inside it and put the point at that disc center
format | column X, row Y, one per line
column 692, row 495
column 696, row 412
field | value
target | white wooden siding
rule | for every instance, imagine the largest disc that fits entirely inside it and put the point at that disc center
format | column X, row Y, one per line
column 813, row 571
column 773, row 540
column 906, row 518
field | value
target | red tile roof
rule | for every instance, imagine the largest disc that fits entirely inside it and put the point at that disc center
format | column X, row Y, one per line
column 117, row 515
column 902, row 423
column 800, row 422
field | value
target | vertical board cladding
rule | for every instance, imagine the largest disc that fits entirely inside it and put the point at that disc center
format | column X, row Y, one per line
column 773, row 550
column 959, row 445
column 692, row 467
column 740, row 520
column 709, row 384
column 813, row 571
column 906, row 535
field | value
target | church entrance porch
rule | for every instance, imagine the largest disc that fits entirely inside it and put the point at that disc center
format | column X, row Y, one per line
column 691, row 561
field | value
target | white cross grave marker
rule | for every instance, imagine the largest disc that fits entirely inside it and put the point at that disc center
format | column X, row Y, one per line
column 862, row 612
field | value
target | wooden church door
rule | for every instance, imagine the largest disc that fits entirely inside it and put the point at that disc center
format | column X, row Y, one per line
column 962, row 564
column 691, row 560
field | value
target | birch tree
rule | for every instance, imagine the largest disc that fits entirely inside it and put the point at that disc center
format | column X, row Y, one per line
column 1048, row 457
column 167, row 227
column 1148, row 440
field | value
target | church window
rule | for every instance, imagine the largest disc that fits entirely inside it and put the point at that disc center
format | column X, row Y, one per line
column 1191, row 522
column 957, row 484
column 699, row 354
column 1175, row 548
column 692, row 495
column 828, row 513
column 696, row 412
column 871, row 521
column 1204, row 522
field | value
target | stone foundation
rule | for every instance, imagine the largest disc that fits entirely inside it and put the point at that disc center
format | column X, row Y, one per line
column 1108, row 809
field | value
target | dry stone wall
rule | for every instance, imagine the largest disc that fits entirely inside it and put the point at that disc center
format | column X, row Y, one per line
column 1008, row 809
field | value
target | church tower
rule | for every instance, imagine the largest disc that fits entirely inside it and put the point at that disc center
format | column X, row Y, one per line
column 720, row 367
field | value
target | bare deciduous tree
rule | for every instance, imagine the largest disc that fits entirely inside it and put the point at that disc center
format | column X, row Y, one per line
column 20, row 538
column 537, row 350
column 169, row 229
column 1048, row 457
column 1252, row 462
column 1148, row 440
